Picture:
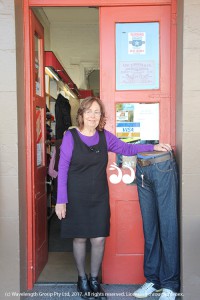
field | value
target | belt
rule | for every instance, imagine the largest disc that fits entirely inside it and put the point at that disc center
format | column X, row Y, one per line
column 155, row 160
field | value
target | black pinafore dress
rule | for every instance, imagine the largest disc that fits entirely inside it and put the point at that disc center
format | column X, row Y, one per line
column 88, row 210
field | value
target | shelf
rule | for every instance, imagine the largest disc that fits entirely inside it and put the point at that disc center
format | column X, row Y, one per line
column 52, row 62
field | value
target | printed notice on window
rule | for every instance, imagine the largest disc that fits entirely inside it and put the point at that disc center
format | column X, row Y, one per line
column 39, row 155
column 137, row 122
column 137, row 73
column 137, row 56
column 148, row 117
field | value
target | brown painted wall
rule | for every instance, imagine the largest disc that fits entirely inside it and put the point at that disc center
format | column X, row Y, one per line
column 188, row 142
column 179, row 109
column 21, row 143
column 12, row 151
column 9, row 188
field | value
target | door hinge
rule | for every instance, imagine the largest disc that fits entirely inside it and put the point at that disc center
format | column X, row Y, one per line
column 31, row 267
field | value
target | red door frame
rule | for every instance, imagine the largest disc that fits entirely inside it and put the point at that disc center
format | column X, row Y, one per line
column 27, row 86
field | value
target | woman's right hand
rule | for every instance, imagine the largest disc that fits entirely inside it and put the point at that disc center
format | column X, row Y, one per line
column 60, row 210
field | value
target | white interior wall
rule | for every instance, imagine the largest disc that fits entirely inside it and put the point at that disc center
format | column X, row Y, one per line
column 73, row 35
column 74, row 38
column 74, row 44
column 74, row 108
column 46, row 24
column 93, row 80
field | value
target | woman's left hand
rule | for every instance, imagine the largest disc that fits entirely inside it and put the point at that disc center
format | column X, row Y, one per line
column 162, row 147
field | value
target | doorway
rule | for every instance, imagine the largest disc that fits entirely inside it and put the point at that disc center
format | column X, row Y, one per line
column 72, row 35
column 123, row 258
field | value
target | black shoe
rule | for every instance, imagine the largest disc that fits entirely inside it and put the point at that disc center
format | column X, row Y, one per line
column 96, row 288
column 83, row 288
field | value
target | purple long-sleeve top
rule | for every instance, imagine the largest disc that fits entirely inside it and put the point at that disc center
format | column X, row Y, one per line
column 113, row 145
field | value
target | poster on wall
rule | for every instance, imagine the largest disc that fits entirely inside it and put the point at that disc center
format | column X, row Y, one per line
column 137, row 56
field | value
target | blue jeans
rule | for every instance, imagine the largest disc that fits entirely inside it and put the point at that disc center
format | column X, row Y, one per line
column 158, row 197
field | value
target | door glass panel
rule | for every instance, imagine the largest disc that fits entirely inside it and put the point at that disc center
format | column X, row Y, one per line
column 39, row 136
column 137, row 56
column 38, row 70
column 136, row 123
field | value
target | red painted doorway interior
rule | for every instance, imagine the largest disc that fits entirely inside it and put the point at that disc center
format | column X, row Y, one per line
column 123, row 261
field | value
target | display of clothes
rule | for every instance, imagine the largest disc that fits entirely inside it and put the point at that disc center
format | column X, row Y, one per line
column 63, row 122
column 63, row 115
column 53, row 169
column 48, row 132
column 49, row 119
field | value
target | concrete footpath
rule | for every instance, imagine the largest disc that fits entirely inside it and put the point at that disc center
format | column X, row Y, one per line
column 54, row 291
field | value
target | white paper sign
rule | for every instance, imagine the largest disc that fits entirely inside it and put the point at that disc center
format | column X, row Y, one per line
column 39, row 155
column 148, row 116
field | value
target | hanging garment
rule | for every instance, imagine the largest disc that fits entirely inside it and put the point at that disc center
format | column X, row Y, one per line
column 53, row 169
column 63, row 116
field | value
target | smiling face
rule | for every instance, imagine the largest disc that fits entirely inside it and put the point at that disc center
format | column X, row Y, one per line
column 91, row 116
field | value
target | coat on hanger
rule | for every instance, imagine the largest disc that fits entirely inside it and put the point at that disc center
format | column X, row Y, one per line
column 63, row 115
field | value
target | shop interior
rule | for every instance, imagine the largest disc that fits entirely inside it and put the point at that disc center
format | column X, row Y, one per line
column 71, row 73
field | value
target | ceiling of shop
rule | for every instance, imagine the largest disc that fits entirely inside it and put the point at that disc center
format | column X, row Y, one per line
column 72, row 33
column 83, row 15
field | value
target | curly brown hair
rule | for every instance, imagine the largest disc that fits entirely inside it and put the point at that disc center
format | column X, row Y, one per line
column 85, row 105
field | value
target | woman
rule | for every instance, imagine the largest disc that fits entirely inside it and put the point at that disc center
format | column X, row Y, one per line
column 82, row 180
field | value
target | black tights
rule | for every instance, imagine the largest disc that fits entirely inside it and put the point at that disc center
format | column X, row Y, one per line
column 97, row 251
